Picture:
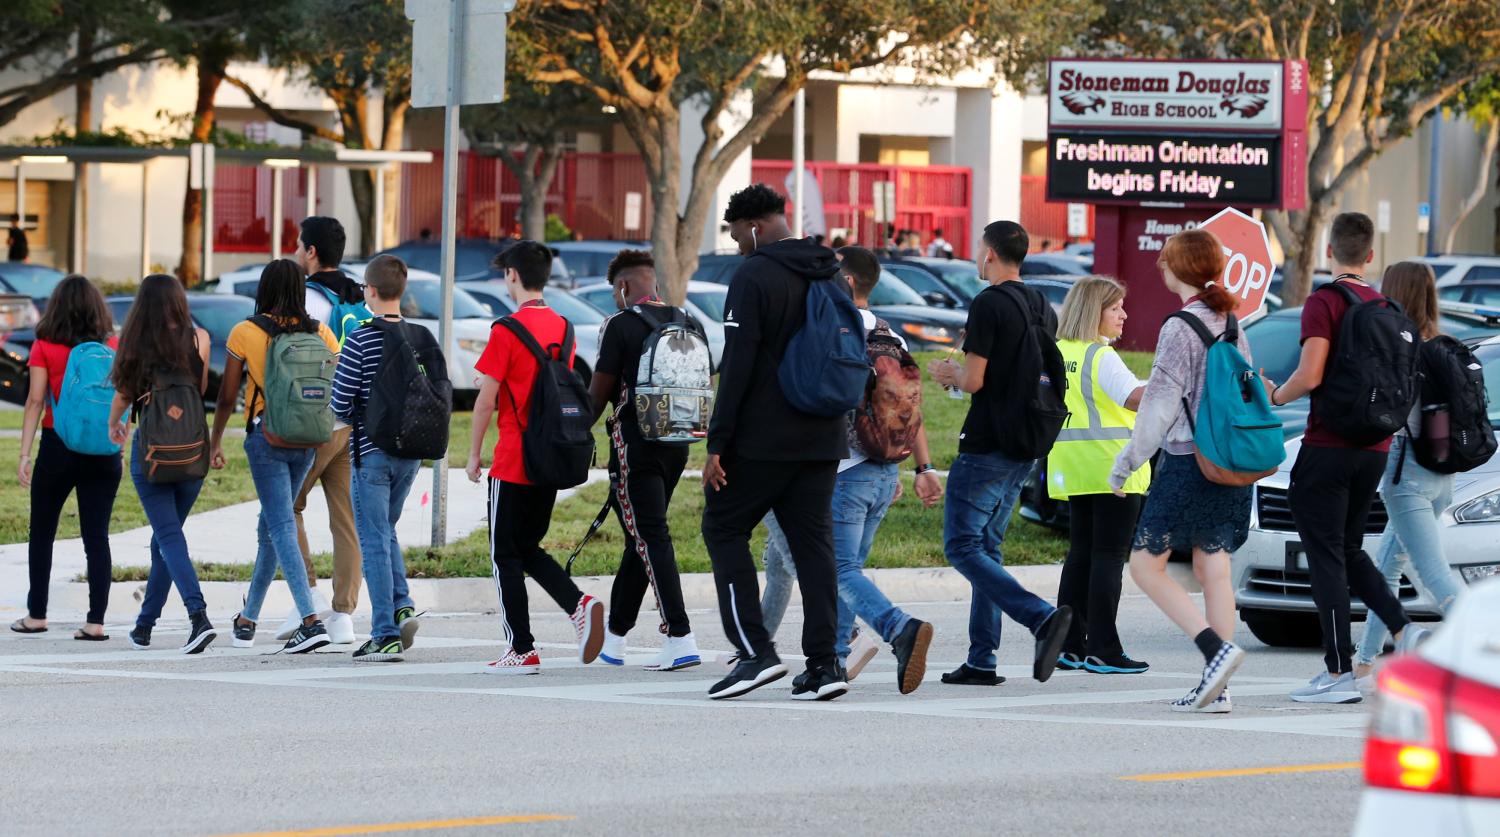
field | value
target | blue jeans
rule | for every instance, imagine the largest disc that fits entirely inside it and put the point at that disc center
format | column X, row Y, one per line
column 278, row 474
column 1413, row 506
column 982, row 492
column 780, row 574
column 380, row 485
column 861, row 498
column 167, row 506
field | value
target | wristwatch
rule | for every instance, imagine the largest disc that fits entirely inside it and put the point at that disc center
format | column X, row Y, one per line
column 924, row 468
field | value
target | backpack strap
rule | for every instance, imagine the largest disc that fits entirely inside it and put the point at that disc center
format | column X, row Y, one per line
column 273, row 329
column 515, row 327
column 1344, row 290
column 1196, row 325
column 1027, row 305
column 333, row 297
column 676, row 316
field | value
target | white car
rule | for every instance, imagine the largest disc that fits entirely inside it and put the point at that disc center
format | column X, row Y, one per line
column 1432, row 753
column 586, row 319
column 1272, row 586
column 1452, row 269
column 705, row 301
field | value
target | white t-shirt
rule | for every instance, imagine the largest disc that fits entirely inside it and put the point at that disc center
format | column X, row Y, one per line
column 318, row 306
column 1116, row 379
column 858, row 456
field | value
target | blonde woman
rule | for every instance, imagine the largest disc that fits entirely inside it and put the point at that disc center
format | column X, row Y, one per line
column 1102, row 396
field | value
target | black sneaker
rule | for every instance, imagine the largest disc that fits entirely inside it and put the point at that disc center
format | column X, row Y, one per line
column 910, row 647
column 200, row 635
column 1068, row 661
column 140, row 638
column 407, row 623
column 967, row 675
column 1115, row 664
column 1049, row 641
column 386, row 649
column 244, row 632
column 307, row 638
column 823, row 683
column 748, row 675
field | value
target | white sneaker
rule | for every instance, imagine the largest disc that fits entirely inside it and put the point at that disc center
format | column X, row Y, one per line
column 294, row 618
column 340, row 629
column 1326, row 688
column 676, row 653
column 1189, row 703
column 1217, row 673
column 861, row 651
column 613, row 652
column 1412, row 637
column 290, row 626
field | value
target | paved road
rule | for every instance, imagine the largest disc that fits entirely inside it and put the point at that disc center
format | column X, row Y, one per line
column 105, row 740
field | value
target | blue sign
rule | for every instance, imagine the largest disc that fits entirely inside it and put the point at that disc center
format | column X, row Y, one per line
column 1424, row 210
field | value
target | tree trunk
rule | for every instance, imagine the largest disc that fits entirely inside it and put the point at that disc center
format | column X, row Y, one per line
column 362, row 184
column 353, row 115
column 1481, row 185
column 190, row 271
column 393, row 131
column 534, row 221
column 83, row 122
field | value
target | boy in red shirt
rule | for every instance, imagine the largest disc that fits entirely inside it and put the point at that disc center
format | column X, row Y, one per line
column 520, row 512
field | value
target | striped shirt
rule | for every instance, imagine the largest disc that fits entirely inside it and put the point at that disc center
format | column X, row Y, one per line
column 359, row 360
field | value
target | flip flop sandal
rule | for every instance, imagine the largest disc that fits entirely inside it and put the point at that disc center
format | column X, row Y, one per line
column 19, row 626
column 80, row 634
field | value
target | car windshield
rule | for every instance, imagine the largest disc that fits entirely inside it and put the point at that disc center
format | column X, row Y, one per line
column 919, row 280
column 599, row 296
column 1490, row 356
column 892, row 291
column 1477, row 294
column 710, row 303
column 33, row 280
column 1276, row 344
column 587, row 263
column 1464, row 328
column 1052, row 266
column 961, row 275
column 220, row 314
column 571, row 307
column 468, row 259
column 424, row 301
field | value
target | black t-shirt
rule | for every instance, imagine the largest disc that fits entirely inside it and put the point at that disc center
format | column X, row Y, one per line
column 621, row 340
column 996, row 327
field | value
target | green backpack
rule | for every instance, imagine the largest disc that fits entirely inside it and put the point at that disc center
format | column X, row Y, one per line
column 298, row 387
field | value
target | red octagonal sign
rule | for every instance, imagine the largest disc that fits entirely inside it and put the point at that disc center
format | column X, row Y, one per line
column 1248, row 274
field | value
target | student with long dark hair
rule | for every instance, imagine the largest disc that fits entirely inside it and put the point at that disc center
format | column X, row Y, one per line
column 75, row 314
column 160, row 341
column 278, row 472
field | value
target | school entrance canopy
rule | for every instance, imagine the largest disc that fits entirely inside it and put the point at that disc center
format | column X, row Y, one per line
column 272, row 158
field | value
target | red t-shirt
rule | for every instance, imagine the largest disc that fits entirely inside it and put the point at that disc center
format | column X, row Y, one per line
column 508, row 361
column 1322, row 315
column 53, row 357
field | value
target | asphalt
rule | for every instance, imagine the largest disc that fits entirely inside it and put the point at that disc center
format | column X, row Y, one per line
column 100, row 739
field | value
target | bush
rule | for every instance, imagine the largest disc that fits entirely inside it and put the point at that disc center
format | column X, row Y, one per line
column 556, row 230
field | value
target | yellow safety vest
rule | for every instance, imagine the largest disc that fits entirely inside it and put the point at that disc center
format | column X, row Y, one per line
column 1096, row 431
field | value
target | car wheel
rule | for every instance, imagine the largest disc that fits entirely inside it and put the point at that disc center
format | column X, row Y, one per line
column 1283, row 629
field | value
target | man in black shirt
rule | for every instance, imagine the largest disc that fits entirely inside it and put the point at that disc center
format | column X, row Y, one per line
column 764, row 455
column 643, row 473
column 984, row 482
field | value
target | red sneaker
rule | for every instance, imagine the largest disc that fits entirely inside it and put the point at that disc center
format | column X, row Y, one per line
column 588, row 621
column 513, row 663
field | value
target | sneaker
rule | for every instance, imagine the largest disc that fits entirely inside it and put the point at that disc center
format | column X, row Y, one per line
column 200, row 635
column 140, row 638
column 588, row 623
column 383, row 650
column 307, row 638
column 967, row 675
column 407, row 623
column 1120, row 664
column 512, row 663
column 244, row 632
column 910, row 647
column 749, row 674
column 613, row 652
column 678, row 652
column 862, row 650
column 1366, row 685
column 294, row 616
column 1049, row 641
column 1218, row 671
column 727, row 660
column 290, row 625
column 1412, row 637
column 340, row 628
column 1189, row 703
column 821, row 683
column 1327, row 688
column 1068, row 661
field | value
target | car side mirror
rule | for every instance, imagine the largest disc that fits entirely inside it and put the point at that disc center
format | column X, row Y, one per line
column 940, row 299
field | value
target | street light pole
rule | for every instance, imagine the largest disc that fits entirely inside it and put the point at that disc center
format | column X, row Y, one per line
column 799, row 157
column 456, row 12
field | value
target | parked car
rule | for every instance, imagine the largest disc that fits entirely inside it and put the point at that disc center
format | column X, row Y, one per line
column 927, row 283
column 473, row 259
column 217, row 314
column 1052, row 264
column 705, row 301
column 422, row 305
column 1482, row 292
column 588, row 261
column 1432, row 752
column 33, row 280
column 1083, row 251
column 1054, row 288
column 1458, row 267
column 585, row 318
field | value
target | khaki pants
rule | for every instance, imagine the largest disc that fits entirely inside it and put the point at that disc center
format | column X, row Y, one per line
column 332, row 469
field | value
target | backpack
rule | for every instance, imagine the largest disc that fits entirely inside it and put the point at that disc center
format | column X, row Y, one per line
column 172, row 429
column 825, row 369
column 298, row 387
column 1237, row 439
column 673, row 391
column 887, row 420
column 1456, row 432
column 80, row 416
column 1033, row 416
column 411, row 400
column 345, row 316
column 557, row 446
column 1370, row 383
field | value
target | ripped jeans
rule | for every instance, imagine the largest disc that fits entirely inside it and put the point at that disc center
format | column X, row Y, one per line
column 1412, row 506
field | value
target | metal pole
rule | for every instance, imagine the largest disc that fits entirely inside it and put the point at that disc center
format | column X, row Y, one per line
column 20, row 195
column 1435, row 184
column 208, row 214
column 449, row 243
column 76, row 262
column 799, row 156
column 275, row 214
column 379, row 210
column 145, row 219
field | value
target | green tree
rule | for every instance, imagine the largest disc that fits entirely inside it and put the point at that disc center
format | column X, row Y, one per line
column 648, row 58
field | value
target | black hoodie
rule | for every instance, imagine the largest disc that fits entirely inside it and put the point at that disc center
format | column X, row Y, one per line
column 766, row 305
column 335, row 280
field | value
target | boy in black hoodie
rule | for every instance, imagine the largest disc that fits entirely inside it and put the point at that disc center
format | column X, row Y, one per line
column 764, row 455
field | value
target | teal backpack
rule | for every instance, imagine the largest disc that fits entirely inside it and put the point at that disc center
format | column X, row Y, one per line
column 298, row 387
column 1238, row 438
column 81, row 415
column 346, row 316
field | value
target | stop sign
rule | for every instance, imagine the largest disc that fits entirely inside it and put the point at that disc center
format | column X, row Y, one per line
column 1247, row 276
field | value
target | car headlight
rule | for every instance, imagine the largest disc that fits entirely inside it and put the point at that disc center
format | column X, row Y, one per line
column 1482, row 509
column 930, row 334
column 471, row 345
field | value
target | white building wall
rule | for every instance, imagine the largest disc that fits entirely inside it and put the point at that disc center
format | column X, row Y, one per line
column 890, row 110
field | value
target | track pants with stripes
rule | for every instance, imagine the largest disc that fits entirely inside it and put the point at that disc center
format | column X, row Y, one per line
column 519, row 517
column 643, row 479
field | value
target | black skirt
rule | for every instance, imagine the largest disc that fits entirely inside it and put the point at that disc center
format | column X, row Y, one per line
column 1185, row 511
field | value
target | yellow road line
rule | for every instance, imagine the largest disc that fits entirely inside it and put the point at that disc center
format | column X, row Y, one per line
column 417, row 825
column 1245, row 771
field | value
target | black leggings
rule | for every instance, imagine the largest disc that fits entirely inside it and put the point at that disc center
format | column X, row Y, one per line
column 57, row 473
column 1100, row 528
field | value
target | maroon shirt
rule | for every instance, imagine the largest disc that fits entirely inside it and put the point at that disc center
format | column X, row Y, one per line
column 1322, row 316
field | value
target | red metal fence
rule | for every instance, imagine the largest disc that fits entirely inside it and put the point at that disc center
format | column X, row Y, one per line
column 242, row 208
column 1046, row 222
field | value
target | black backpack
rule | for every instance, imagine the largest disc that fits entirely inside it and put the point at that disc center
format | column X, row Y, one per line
column 1370, row 383
column 411, row 400
column 1453, row 398
column 557, row 446
column 1034, row 414
column 173, row 433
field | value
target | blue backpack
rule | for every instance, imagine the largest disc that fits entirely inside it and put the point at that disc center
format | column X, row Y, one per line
column 81, row 415
column 1238, row 438
column 346, row 316
column 825, row 369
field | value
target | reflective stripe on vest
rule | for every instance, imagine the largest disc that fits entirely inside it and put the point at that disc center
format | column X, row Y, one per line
column 1098, row 429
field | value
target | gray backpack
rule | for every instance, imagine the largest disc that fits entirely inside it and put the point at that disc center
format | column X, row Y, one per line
column 673, row 390
column 298, row 387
